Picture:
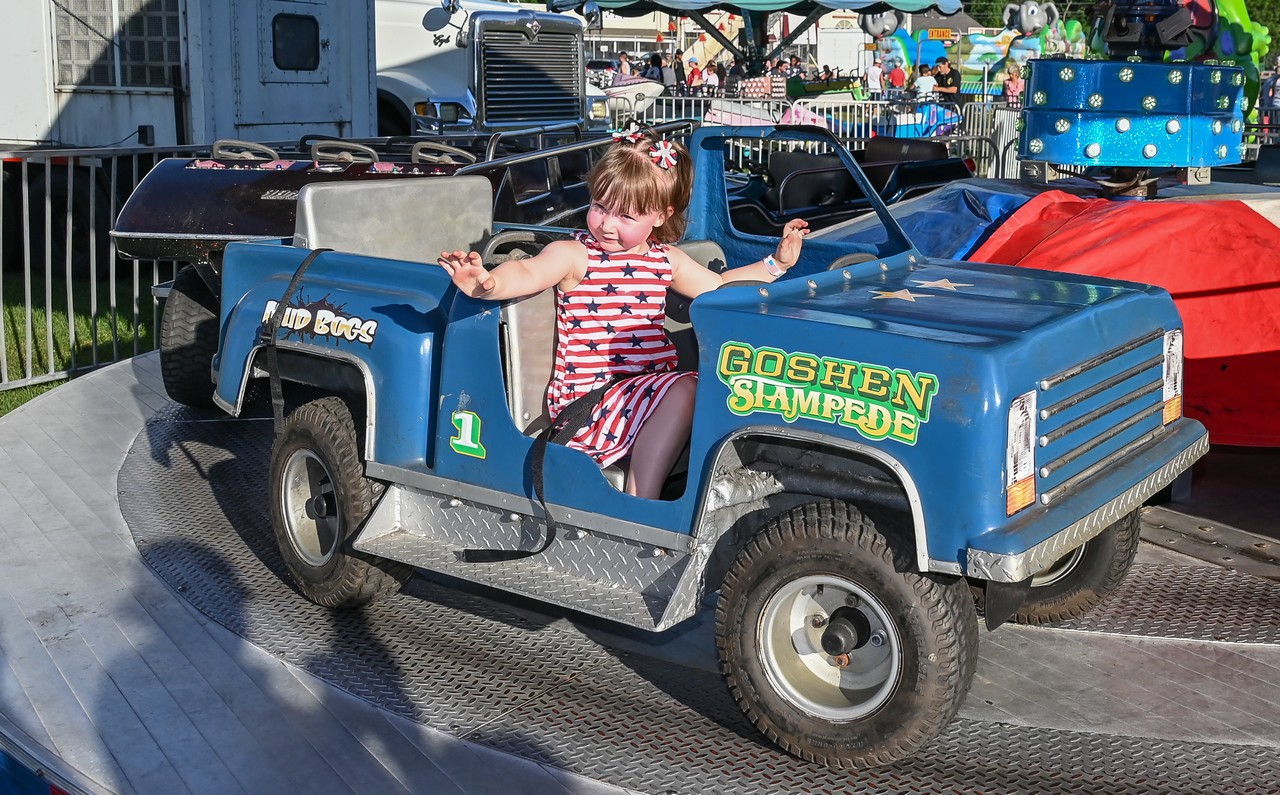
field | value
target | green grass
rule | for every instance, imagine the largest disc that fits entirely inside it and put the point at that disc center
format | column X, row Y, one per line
column 88, row 311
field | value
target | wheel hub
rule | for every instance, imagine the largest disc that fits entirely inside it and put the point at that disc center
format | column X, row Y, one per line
column 830, row 648
column 320, row 506
column 848, row 629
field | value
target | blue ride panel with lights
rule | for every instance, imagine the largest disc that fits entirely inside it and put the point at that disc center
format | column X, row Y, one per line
column 1132, row 113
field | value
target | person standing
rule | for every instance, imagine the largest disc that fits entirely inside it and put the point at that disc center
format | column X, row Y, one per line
column 897, row 79
column 695, row 78
column 668, row 77
column 875, row 80
column 1014, row 85
column 677, row 63
column 711, row 80
column 947, row 80
column 624, row 64
column 925, row 83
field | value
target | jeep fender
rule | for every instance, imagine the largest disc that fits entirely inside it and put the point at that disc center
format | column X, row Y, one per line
column 770, row 462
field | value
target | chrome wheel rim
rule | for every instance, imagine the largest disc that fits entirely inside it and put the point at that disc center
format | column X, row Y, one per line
column 1059, row 569
column 309, row 502
column 789, row 642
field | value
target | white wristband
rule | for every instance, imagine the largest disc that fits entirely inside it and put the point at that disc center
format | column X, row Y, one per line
column 771, row 265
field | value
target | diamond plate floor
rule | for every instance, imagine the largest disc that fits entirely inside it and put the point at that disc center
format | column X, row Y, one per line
column 1168, row 688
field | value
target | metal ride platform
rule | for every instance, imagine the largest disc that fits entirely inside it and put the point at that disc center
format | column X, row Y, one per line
column 151, row 644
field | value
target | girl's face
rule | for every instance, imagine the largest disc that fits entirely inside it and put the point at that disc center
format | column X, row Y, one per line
column 619, row 232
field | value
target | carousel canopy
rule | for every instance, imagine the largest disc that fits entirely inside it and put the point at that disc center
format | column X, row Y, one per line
column 802, row 7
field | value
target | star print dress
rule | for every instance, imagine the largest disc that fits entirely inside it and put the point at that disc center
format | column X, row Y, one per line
column 610, row 326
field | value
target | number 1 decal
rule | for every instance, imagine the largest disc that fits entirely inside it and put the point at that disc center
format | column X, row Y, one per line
column 467, row 440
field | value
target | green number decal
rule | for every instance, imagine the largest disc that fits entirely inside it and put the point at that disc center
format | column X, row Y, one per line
column 467, row 440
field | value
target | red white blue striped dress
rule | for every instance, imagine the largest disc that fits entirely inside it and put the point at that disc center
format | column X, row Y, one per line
column 611, row 326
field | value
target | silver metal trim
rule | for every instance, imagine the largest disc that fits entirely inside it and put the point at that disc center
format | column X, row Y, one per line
column 1053, row 466
column 1106, row 356
column 195, row 236
column 518, row 503
column 1073, row 482
column 1107, row 408
column 923, row 561
column 1016, row 568
column 1079, row 397
column 370, row 408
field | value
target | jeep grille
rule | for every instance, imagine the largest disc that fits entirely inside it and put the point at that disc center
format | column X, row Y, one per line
column 523, row 81
column 1095, row 414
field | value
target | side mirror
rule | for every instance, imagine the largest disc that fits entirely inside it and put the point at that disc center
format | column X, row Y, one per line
column 436, row 19
column 590, row 11
column 452, row 6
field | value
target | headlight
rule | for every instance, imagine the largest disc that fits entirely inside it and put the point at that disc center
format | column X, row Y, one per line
column 1172, row 375
column 599, row 109
column 1020, row 454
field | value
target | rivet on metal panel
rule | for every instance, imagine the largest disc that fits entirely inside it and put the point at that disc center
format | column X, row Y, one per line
column 884, row 266
column 455, row 502
column 764, row 292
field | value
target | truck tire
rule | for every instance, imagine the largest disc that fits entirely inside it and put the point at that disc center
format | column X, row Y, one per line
column 319, row 499
column 836, row 653
column 1080, row 580
column 189, row 340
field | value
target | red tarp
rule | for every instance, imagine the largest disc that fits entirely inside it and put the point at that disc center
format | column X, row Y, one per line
column 1220, row 259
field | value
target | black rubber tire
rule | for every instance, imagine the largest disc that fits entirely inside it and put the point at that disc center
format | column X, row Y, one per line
column 319, row 444
column 930, row 617
column 1081, row 580
column 189, row 340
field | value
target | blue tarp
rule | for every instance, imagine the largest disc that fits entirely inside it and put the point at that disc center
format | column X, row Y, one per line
column 952, row 221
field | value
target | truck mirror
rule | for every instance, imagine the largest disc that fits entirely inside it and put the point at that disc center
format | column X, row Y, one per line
column 436, row 19
column 452, row 6
column 590, row 12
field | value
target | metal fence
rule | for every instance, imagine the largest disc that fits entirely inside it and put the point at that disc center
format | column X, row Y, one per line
column 70, row 304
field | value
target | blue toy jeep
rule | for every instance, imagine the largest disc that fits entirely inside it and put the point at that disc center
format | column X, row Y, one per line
column 878, row 440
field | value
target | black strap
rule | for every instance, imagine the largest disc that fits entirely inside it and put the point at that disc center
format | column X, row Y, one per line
column 563, row 428
column 267, row 337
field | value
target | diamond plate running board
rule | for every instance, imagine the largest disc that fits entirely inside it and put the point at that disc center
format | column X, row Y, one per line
column 620, row 579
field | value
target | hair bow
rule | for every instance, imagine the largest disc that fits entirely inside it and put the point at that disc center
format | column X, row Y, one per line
column 663, row 154
column 632, row 134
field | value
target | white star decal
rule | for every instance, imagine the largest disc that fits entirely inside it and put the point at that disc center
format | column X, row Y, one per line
column 943, row 284
column 904, row 295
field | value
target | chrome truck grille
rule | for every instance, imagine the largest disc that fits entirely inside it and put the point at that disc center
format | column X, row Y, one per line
column 528, row 78
column 1093, row 415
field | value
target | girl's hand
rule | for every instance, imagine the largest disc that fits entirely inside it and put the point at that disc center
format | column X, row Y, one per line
column 467, row 271
column 788, row 250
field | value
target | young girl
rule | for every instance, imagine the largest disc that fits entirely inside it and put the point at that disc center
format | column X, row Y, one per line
column 611, row 285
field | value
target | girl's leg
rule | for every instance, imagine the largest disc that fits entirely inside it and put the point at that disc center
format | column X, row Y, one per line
column 660, row 440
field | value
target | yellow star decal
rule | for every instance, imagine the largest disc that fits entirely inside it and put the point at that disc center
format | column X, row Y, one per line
column 905, row 295
column 943, row 284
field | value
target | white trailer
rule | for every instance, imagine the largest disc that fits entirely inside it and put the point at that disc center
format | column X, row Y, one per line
column 89, row 73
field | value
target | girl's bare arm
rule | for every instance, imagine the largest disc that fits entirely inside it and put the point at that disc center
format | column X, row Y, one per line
column 562, row 262
column 691, row 279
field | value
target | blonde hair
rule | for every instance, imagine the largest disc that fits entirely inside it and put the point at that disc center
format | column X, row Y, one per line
column 628, row 180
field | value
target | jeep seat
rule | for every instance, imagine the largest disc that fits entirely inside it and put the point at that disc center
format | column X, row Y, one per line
column 410, row 219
